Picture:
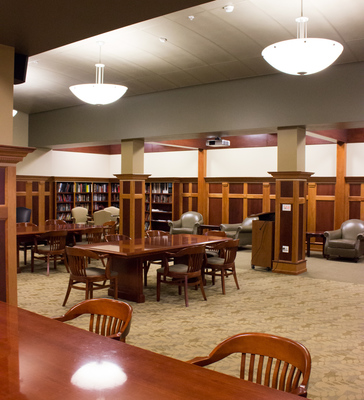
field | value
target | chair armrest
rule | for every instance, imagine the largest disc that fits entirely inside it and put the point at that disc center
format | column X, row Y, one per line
column 336, row 234
column 300, row 391
column 196, row 360
column 229, row 227
column 360, row 236
column 73, row 219
column 175, row 224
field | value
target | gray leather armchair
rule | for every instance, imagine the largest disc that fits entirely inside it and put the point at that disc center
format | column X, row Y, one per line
column 241, row 231
column 348, row 241
column 188, row 223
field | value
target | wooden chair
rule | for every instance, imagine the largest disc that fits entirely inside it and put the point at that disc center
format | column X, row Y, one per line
column 77, row 261
column 146, row 266
column 54, row 247
column 111, row 318
column 58, row 222
column 184, row 273
column 224, row 264
column 268, row 360
column 210, row 252
column 26, row 244
column 94, row 235
column 116, row 237
column 109, row 227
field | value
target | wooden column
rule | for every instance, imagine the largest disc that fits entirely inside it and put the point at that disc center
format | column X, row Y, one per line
column 202, row 189
column 9, row 157
column 132, row 204
column 339, row 213
column 290, row 222
column 290, row 210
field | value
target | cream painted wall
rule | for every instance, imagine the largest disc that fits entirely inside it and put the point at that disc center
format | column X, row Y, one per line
column 20, row 129
column 248, row 162
column 179, row 164
column 321, row 159
column 355, row 159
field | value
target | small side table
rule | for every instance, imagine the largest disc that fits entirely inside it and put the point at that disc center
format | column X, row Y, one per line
column 309, row 235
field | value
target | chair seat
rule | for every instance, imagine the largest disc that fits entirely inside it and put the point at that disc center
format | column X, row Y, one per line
column 182, row 230
column 176, row 269
column 94, row 271
column 216, row 261
column 343, row 243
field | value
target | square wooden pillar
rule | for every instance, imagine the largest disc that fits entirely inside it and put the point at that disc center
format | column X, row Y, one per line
column 132, row 204
column 9, row 157
column 290, row 222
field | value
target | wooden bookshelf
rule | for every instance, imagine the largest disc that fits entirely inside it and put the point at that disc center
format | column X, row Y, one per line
column 64, row 200
column 100, row 196
column 159, row 205
column 115, row 194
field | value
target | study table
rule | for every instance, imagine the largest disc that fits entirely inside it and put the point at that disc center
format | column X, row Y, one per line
column 27, row 233
column 127, row 257
column 43, row 359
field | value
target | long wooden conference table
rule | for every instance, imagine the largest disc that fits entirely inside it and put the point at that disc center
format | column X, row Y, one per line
column 128, row 256
column 43, row 359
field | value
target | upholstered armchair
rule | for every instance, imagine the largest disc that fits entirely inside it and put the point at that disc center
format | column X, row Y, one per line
column 100, row 217
column 188, row 223
column 80, row 215
column 348, row 241
column 241, row 231
column 115, row 212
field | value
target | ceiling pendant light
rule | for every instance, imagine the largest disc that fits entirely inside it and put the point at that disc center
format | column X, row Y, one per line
column 98, row 93
column 302, row 56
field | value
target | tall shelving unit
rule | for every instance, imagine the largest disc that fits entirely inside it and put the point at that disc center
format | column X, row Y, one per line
column 83, row 193
column 65, row 200
column 100, row 196
column 160, row 205
column 147, row 217
column 115, row 194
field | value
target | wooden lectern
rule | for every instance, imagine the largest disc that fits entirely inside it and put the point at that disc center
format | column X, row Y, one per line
column 263, row 240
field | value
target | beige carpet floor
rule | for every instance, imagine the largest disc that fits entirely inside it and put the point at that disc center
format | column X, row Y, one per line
column 322, row 308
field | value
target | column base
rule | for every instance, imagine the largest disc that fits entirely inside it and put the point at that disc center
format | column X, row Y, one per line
column 290, row 268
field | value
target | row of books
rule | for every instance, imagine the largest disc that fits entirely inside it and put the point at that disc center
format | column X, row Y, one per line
column 67, row 216
column 100, row 188
column 159, row 187
column 83, row 187
column 83, row 197
column 64, row 207
column 115, row 188
column 100, row 197
column 64, row 198
column 161, row 198
column 64, row 187
column 84, row 205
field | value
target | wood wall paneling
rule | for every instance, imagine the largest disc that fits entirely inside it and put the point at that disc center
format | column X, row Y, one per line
column 215, row 211
column 236, row 210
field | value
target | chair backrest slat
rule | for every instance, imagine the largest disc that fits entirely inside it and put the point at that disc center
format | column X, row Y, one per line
column 275, row 375
column 260, row 370
column 268, row 370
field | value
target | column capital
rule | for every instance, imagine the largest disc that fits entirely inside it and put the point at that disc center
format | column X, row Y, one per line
column 291, row 175
column 132, row 177
column 10, row 155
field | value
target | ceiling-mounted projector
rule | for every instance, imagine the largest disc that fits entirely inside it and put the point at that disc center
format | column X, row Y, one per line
column 218, row 142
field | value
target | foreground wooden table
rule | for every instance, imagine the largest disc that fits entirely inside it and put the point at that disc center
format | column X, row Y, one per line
column 127, row 258
column 43, row 359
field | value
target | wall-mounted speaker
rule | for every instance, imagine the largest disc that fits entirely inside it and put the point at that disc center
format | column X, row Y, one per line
column 20, row 68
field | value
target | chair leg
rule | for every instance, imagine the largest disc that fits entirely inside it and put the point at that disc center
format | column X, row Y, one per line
column 32, row 261
column 158, row 287
column 202, row 289
column 68, row 292
column 235, row 277
column 186, row 290
column 47, row 264
column 25, row 254
column 223, row 281
column 146, row 270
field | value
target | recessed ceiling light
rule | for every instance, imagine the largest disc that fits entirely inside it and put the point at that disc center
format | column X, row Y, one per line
column 229, row 8
column 191, row 17
column 162, row 39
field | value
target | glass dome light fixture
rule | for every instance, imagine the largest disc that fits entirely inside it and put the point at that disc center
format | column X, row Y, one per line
column 99, row 93
column 302, row 56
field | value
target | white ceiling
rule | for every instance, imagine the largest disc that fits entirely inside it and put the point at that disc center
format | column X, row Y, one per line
column 215, row 46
